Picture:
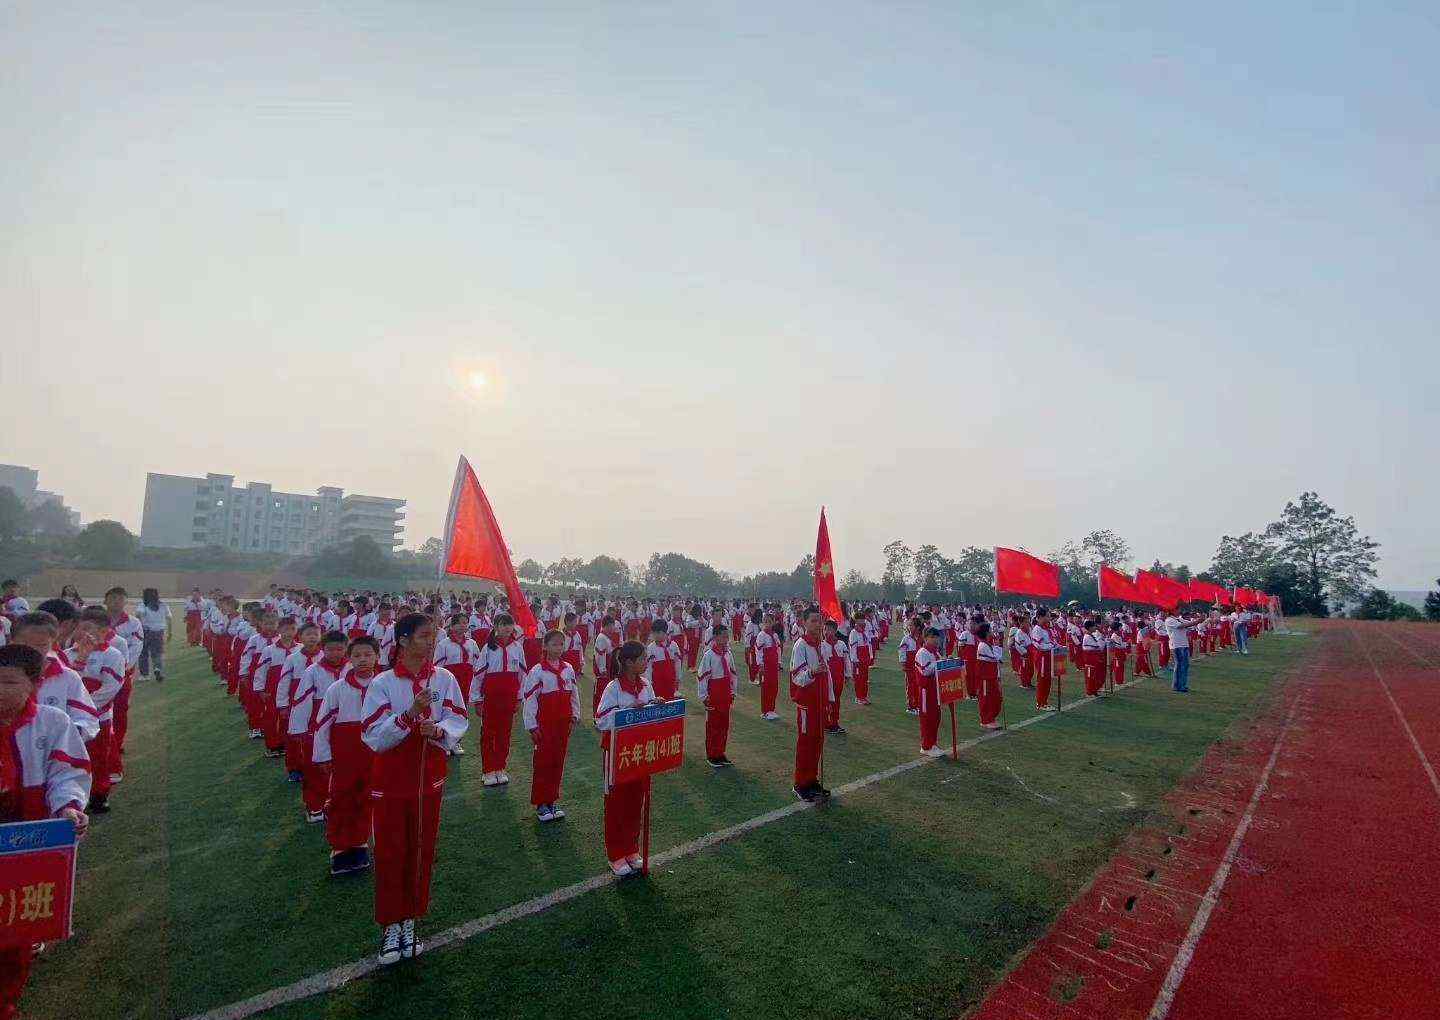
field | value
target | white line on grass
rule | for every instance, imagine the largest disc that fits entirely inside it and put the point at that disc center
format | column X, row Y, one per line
column 338, row 977
column 1404, row 723
column 1166, row 998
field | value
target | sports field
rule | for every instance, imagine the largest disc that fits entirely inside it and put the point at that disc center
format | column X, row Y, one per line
column 907, row 896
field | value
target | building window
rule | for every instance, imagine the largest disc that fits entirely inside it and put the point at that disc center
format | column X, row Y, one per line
column 219, row 502
column 198, row 536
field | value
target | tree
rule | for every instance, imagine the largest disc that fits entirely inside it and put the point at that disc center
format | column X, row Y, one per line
column 51, row 518
column 1379, row 604
column 360, row 557
column 899, row 562
column 606, row 572
column 14, row 518
column 1432, row 603
column 672, row 573
column 802, row 578
column 1243, row 560
column 529, row 570
column 565, row 570
column 432, row 549
column 104, row 545
column 973, row 574
column 856, row 587
column 927, row 565
column 1335, row 562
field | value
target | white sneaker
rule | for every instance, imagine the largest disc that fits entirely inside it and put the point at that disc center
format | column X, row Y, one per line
column 502, row 778
column 557, row 812
column 459, row 751
column 410, row 946
column 490, row 779
column 934, row 752
column 621, row 869
column 635, row 861
column 544, row 813
column 912, row 711
column 990, row 726
column 314, row 816
column 115, row 778
column 772, row 716
column 390, row 945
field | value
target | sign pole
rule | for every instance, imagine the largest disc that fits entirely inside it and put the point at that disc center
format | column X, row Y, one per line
column 1059, row 684
column 954, row 734
column 645, row 844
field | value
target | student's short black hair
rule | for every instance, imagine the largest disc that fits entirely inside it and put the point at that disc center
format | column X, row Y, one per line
column 363, row 639
column 96, row 615
column 36, row 619
column 407, row 625
column 660, row 627
column 334, row 637
column 62, row 609
column 10, row 583
column 307, row 625
column 24, row 658
column 629, row 652
column 934, row 632
column 719, row 630
column 982, row 630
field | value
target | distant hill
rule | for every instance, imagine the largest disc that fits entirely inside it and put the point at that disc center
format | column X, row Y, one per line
column 1415, row 598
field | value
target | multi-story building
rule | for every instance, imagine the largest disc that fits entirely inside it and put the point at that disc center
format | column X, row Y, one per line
column 25, row 483
column 182, row 512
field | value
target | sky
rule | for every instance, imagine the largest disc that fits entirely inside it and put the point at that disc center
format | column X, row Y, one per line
column 983, row 273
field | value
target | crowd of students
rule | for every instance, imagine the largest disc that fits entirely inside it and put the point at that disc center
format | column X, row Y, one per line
column 364, row 698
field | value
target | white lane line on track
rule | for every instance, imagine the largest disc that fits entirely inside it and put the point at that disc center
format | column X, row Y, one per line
column 1181, row 963
column 338, row 977
column 1404, row 723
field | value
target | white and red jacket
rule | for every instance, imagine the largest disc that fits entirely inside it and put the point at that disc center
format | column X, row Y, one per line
column 384, row 633
column 271, row 657
column 807, row 666
column 400, row 752
column 505, row 657
column 449, row 653
column 292, row 672
column 339, row 723
column 549, row 678
column 316, row 679
column 250, row 654
column 130, row 628
column 717, row 677
column 43, row 765
column 61, row 687
column 103, row 674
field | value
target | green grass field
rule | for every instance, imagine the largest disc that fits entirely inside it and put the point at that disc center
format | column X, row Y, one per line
column 904, row 899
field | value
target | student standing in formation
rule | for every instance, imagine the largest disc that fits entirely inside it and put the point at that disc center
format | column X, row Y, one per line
column 292, row 674
column 496, row 689
column 127, row 627
column 457, row 651
column 346, row 760
column 663, row 662
column 809, row 682
column 624, row 803
column 44, row 773
column 1144, row 638
column 926, row 661
column 718, row 690
column 987, row 664
column 862, row 655
column 1094, row 649
column 315, row 681
column 1119, row 648
column 767, row 656
column 837, row 661
column 1020, row 660
column 1042, row 657
column 413, row 718
column 268, row 668
column 602, row 661
column 194, row 617
column 909, row 645
column 552, row 710
column 102, row 669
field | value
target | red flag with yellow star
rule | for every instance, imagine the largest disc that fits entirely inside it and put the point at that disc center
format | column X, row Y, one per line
column 825, row 573
column 1022, row 574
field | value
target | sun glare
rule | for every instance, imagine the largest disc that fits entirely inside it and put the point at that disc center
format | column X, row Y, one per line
column 478, row 381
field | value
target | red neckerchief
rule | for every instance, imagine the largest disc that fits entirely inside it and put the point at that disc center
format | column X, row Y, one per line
column 632, row 686
column 557, row 670
column 336, row 671
column 53, row 668
column 721, row 654
column 812, row 642
column 10, row 768
column 353, row 677
column 417, row 680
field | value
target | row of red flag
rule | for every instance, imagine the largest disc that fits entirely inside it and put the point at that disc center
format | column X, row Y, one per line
column 474, row 547
column 1020, row 573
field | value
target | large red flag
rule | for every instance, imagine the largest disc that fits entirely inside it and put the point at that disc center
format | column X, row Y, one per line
column 1149, row 588
column 1117, row 585
column 825, row 573
column 474, row 546
column 1174, row 592
column 1019, row 573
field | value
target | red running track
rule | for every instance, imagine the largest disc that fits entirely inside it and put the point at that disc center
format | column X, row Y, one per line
column 1306, row 884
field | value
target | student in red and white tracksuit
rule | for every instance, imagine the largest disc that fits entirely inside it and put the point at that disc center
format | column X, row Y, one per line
column 1119, row 648
column 574, row 644
column 987, row 669
column 458, row 652
column 625, row 803
column 837, row 661
column 102, row 670
column 718, row 690
column 1020, row 660
column 1093, row 648
column 551, row 710
column 129, row 628
column 44, row 773
column 1042, row 657
column 862, row 655
column 292, row 674
column 602, row 661
column 909, row 645
column 495, row 692
column 413, row 716
column 663, row 662
column 265, row 684
column 317, row 679
column 194, row 616
column 809, row 689
column 346, row 760
column 926, row 661
column 766, row 648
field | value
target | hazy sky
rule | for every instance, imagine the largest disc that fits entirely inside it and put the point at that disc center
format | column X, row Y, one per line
column 986, row 273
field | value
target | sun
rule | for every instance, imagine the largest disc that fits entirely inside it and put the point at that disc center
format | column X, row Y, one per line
column 478, row 381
